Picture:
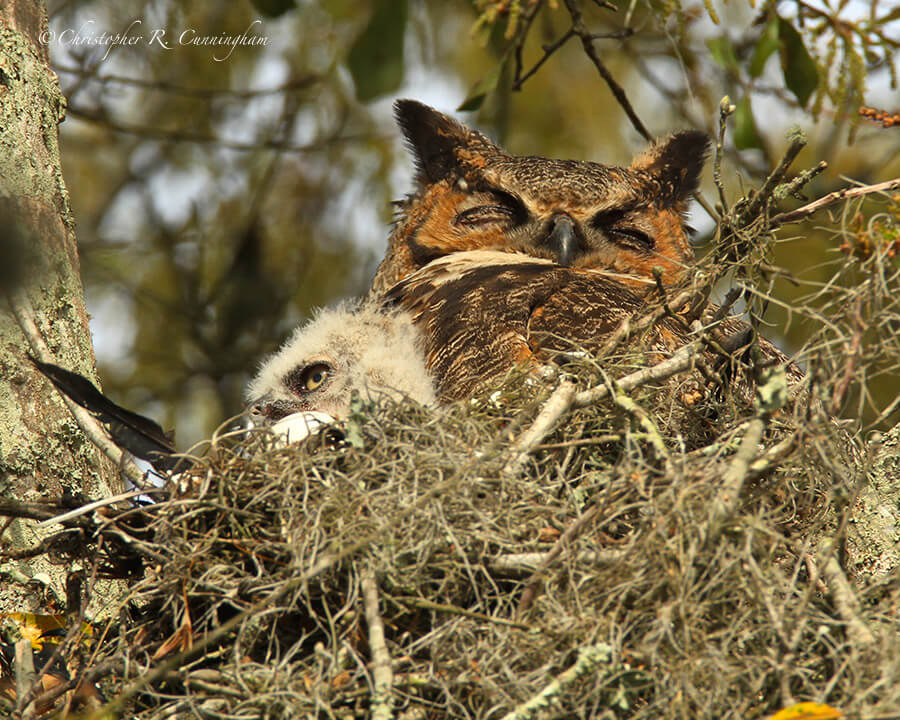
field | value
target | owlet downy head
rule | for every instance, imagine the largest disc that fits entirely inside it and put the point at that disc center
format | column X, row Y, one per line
column 342, row 350
column 473, row 195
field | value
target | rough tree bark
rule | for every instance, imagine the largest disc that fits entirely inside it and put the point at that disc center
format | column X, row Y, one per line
column 42, row 452
column 873, row 535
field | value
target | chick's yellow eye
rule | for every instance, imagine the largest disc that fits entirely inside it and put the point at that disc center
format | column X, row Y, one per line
column 315, row 376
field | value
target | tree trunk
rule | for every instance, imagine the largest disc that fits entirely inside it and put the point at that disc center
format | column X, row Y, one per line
column 873, row 535
column 42, row 451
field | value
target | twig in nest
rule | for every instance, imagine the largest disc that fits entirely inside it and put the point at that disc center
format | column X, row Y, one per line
column 680, row 361
column 771, row 395
column 852, row 353
column 726, row 500
column 554, row 409
column 564, row 398
column 831, row 199
column 382, row 674
column 628, row 326
column 772, row 458
column 454, row 610
column 574, row 528
column 25, row 678
column 796, row 142
column 527, row 563
column 624, row 401
column 589, row 659
column 104, row 502
column 845, row 599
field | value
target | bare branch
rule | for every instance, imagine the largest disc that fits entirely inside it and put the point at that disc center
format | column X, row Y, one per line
column 300, row 83
column 831, row 199
column 554, row 409
column 587, row 41
column 148, row 131
column 382, row 674
column 589, row 659
column 680, row 361
column 25, row 678
column 845, row 599
column 574, row 528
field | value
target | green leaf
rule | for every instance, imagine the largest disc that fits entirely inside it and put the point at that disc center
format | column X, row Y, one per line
column 483, row 88
column 767, row 44
column 800, row 72
column 723, row 53
column 745, row 132
column 376, row 58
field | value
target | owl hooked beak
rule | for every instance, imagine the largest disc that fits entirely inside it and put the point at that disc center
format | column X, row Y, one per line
column 268, row 409
column 562, row 240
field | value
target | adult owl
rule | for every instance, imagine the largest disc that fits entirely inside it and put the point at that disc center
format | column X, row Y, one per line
column 472, row 195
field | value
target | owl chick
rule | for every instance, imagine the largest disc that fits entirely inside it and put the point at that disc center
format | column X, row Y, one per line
column 472, row 195
column 350, row 348
column 482, row 312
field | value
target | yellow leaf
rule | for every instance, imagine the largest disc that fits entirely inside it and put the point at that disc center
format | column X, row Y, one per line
column 808, row 711
column 40, row 629
column 36, row 628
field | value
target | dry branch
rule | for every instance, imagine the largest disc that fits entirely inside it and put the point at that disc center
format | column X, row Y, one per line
column 554, row 410
column 589, row 660
column 587, row 42
column 845, row 598
column 729, row 495
column 830, row 199
column 25, row 678
column 383, row 677
column 564, row 540
column 680, row 361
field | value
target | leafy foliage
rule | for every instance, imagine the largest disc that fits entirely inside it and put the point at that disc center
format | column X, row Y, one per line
column 376, row 58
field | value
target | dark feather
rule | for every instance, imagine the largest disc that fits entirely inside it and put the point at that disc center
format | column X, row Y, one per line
column 481, row 312
column 139, row 435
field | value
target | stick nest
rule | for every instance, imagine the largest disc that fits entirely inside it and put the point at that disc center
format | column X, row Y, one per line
column 250, row 599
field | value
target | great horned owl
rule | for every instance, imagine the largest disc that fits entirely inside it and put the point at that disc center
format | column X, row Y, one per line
column 482, row 312
column 346, row 349
column 472, row 195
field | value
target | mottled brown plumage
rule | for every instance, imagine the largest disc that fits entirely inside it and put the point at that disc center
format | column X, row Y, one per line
column 483, row 312
column 472, row 195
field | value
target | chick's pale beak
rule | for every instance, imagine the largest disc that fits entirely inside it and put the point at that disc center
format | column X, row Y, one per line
column 299, row 426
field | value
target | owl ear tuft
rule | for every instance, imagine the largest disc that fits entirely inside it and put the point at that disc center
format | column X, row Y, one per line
column 434, row 139
column 676, row 162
